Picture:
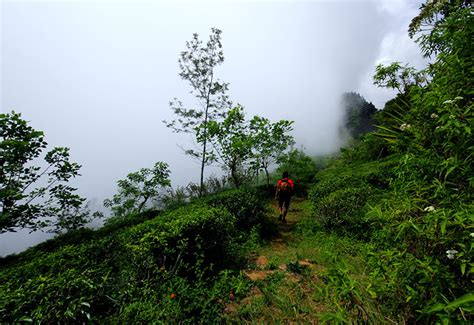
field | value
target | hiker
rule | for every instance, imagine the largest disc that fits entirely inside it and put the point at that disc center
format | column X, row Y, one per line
column 283, row 194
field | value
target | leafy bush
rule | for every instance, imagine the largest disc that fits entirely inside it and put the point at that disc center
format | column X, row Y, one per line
column 59, row 286
column 249, row 208
column 184, row 300
column 343, row 193
column 418, row 232
column 344, row 208
column 425, row 247
column 116, row 275
column 184, row 241
column 132, row 219
column 245, row 204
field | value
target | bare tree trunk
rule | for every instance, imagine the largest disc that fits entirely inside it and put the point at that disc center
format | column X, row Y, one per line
column 204, row 146
column 235, row 178
column 142, row 204
column 203, row 162
column 234, row 174
column 268, row 176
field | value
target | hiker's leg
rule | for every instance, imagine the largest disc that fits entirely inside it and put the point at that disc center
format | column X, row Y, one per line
column 281, row 202
column 287, row 206
column 280, row 208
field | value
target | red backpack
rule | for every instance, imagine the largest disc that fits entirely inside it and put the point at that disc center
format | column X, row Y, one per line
column 285, row 186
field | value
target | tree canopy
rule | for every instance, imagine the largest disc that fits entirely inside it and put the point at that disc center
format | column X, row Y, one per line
column 35, row 194
column 243, row 147
column 139, row 188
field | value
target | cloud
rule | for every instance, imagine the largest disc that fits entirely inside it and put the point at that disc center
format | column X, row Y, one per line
column 395, row 46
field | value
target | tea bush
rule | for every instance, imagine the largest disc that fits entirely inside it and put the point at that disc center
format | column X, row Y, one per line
column 418, row 235
column 187, row 240
column 343, row 193
column 344, row 208
column 59, row 286
column 129, row 274
column 248, row 207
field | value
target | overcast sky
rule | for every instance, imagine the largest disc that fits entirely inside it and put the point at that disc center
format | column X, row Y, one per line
column 97, row 76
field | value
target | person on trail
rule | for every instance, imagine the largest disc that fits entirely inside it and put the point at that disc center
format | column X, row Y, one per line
column 284, row 190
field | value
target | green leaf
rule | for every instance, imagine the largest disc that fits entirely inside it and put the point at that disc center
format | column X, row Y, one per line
column 435, row 308
column 386, row 129
column 443, row 226
column 449, row 171
column 463, row 300
column 414, row 226
column 26, row 319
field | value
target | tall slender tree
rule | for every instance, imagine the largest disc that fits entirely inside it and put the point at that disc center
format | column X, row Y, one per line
column 197, row 66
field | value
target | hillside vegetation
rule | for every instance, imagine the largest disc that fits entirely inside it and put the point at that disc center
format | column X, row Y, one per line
column 385, row 234
column 175, row 266
column 406, row 190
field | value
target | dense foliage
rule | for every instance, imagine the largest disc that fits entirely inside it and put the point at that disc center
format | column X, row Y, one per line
column 36, row 194
column 415, row 207
column 246, row 206
column 174, row 267
column 243, row 147
column 138, row 188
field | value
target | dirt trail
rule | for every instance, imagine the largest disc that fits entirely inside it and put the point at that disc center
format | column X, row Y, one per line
column 285, row 278
column 285, row 230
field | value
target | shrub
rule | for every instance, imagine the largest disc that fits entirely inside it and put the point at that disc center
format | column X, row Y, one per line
column 132, row 219
column 67, row 285
column 344, row 209
column 342, row 194
column 190, row 238
column 420, row 254
column 417, row 220
column 95, row 279
column 248, row 207
column 126, row 271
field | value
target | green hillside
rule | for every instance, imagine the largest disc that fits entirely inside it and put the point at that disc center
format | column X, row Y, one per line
column 175, row 266
column 384, row 233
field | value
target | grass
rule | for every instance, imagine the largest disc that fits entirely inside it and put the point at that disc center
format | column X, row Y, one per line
column 298, row 284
